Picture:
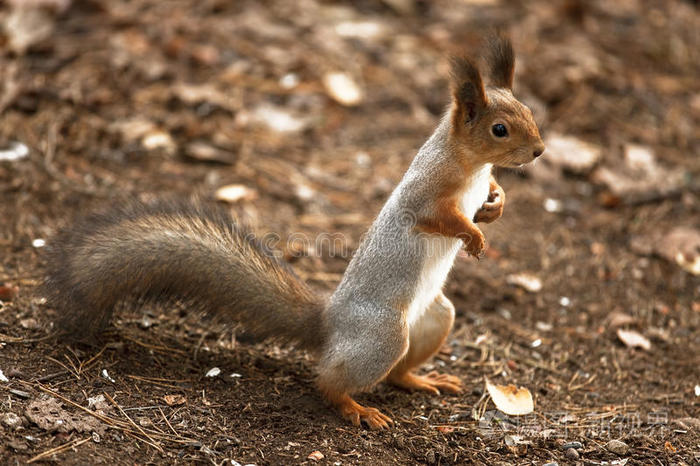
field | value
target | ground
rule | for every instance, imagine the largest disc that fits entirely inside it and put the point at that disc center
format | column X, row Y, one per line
column 143, row 99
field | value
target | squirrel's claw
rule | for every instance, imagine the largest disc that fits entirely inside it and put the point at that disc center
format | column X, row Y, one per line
column 446, row 382
column 357, row 414
column 433, row 382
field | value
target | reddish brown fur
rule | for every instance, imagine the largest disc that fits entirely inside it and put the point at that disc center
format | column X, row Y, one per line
column 449, row 221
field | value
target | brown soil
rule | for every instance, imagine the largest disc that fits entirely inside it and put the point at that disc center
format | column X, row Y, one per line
column 609, row 73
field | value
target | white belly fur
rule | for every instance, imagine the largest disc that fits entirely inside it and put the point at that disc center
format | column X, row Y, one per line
column 441, row 251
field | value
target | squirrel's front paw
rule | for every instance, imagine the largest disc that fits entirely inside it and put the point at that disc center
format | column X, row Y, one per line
column 492, row 209
column 474, row 244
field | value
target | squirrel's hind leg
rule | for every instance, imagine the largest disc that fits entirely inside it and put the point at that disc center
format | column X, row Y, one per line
column 426, row 336
column 356, row 360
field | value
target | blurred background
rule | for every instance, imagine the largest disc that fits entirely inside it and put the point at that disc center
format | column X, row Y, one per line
column 302, row 116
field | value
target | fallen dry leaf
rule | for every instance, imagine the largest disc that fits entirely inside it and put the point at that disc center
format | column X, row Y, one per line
column 510, row 399
column 27, row 25
column 638, row 179
column 205, row 152
column 8, row 293
column 445, row 429
column 174, row 400
column 571, row 154
column 516, row 444
column 526, row 281
column 342, row 88
column 633, row 339
column 680, row 245
column 619, row 319
column 278, row 119
column 50, row 416
column 235, row 193
column 14, row 151
column 316, row 456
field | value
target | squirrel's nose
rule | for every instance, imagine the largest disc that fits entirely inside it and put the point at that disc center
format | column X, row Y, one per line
column 537, row 152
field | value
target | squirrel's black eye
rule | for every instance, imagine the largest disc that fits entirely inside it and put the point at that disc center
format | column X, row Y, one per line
column 499, row 130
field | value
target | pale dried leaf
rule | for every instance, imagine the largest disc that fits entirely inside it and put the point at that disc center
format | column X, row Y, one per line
column 27, row 25
column 174, row 400
column 235, row 193
column 526, row 281
column 342, row 88
column 278, row 119
column 619, row 319
column 633, row 339
column 510, row 399
column 571, row 154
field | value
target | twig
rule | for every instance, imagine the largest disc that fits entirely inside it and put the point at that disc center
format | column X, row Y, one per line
column 168, row 422
column 59, row 449
column 12, row 87
column 115, row 423
column 49, row 376
column 89, row 362
column 153, row 382
column 162, row 349
column 155, row 444
column 68, row 369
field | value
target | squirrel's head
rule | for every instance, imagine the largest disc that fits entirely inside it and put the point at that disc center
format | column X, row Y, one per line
column 488, row 123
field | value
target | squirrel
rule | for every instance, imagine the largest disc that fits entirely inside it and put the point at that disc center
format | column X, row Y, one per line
column 387, row 316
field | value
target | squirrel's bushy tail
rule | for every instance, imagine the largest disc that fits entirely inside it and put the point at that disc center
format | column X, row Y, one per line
column 176, row 250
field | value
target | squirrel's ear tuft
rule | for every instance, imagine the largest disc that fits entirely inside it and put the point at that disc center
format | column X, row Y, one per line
column 501, row 61
column 467, row 88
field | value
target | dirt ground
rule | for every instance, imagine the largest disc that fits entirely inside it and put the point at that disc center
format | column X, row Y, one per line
column 143, row 99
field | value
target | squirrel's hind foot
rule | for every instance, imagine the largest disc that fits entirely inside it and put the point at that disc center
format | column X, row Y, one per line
column 357, row 414
column 433, row 382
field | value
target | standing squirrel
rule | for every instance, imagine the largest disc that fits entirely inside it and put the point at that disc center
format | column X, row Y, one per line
column 387, row 316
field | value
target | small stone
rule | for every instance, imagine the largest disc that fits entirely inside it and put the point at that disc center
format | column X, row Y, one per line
column 145, row 322
column 29, row 323
column 11, row 420
column 553, row 463
column 18, row 445
column 205, row 152
column 571, row 454
column 575, row 445
column 618, row 447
